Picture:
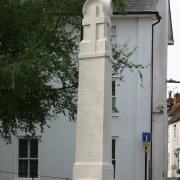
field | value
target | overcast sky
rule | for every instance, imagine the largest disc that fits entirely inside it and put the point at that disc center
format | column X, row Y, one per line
column 174, row 51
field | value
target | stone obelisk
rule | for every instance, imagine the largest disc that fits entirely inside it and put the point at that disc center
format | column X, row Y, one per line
column 94, row 136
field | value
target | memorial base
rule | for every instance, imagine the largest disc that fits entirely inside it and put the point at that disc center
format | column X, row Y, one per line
column 93, row 171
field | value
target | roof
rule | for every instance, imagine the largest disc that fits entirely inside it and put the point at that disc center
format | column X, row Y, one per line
column 175, row 110
column 174, row 119
column 147, row 7
column 174, row 113
column 141, row 5
column 133, row 6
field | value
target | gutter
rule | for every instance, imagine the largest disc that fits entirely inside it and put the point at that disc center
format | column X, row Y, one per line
column 152, row 88
column 129, row 13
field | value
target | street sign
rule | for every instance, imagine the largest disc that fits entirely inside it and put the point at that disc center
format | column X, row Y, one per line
column 146, row 137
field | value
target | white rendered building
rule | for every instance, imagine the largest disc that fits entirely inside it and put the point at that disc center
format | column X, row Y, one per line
column 147, row 27
column 174, row 138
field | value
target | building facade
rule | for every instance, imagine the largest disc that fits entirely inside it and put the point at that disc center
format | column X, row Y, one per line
column 141, row 108
column 174, row 138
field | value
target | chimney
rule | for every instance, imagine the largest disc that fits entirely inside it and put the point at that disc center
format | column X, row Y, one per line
column 176, row 98
column 170, row 94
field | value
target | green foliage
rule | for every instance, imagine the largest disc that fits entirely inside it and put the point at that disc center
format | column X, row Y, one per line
column 36, row 54
column 120, row 6
column 39, row 63
column 121, row 61
column 178, row 171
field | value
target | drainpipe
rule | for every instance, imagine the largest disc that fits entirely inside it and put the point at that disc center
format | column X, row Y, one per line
column 152, row 88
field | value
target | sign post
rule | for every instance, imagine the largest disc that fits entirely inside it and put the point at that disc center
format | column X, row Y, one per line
column 146, row 138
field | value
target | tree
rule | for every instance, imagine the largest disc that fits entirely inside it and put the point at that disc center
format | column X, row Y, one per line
column 39, row 63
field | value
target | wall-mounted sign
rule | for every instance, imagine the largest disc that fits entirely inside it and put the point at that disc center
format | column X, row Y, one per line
column 146, row 137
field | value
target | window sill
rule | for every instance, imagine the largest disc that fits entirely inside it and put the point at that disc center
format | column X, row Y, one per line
column 115, row 114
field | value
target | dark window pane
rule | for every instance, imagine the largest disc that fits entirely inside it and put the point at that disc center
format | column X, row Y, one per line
column 33, row 168
column 114, row 166
column 113, row 88
column 23, row 148
column 113, row 104
column 113, row 149
column 34, row 148
column 23, row 168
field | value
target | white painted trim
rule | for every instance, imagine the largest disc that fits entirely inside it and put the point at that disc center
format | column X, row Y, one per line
column 115, row 114
column 17, row 158
column 87, row 56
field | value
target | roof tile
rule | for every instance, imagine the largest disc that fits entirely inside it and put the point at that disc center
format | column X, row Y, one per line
column 140, row 5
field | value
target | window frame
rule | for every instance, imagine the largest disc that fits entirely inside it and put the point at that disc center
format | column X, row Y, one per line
column 113, row 96
column 178, row 159
column 113, row 34
column 114, row 138
column 115, row 111
column 175, row 131
column 28, row 158
column 168, row 160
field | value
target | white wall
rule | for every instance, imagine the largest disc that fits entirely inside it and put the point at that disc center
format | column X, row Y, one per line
column 7, row 160
column 56, row 152
column 57, row 149
column 159, row 145
column 133, row 100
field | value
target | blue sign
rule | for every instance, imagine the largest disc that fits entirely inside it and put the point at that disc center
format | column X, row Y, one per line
column 146, row 137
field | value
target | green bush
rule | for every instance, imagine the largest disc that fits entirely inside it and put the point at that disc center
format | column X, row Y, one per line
column 178, row 171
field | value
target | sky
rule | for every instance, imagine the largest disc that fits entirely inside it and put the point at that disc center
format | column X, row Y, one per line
column 174, row 51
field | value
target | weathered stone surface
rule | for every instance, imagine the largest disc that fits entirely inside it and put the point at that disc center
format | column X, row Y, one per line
column 93, row 146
